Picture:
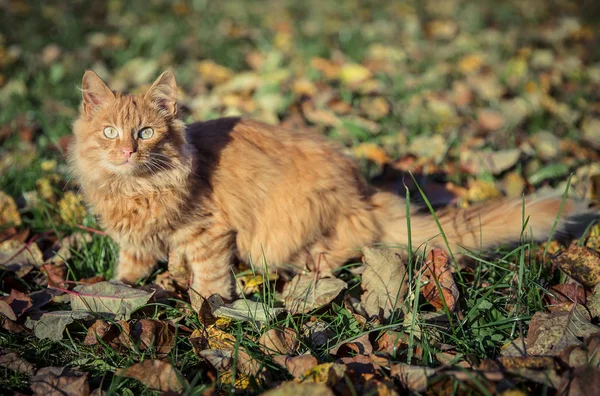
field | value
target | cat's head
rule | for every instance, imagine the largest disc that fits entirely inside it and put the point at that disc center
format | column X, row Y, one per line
column 129, row 134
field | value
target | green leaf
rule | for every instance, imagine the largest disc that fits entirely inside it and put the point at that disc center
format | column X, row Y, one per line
column 115, row 300
column 51, row 325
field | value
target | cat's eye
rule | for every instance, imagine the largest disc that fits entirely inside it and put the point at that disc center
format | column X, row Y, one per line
column 110, row 132
column 146, row 133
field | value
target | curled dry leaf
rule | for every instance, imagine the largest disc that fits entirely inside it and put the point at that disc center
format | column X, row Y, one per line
column 13, row 361
column 439, row 287
column 155, row 374
column 100, row 330
column 580, row 263
column 154, row 334
column 300, row 389
column 297, row 366
column 550, row 333
column 584, row 380
column 15, row 304
column 587, row 354
column 60, row 381
column 325, row 373
column 567, row 293
column 384, row 282
column 305, row 293
column 115, row 300
column 279, row 342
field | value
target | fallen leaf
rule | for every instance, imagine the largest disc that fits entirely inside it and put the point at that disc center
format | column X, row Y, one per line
column 100, row 330
column 439, row 288
column 566, row 293
column 154, row 334
column 60, row 381
column 67, row 244
column 353, row 73
column 325, row 373
column 9, row 213
column 55, row 274
column 584, row 380
column 155, row 374
column 372, row 152
column 282, row 342
column 490, row 120
column 220, row 359
column 414, row 378
column 550, row 333
column 390, row 341
column 580, row 263
column 19, row 257
column 52, row 324
column 15, row 305
column 297, row 366
column 305, row 293
column 360, row 346
column 116, row 300
column 13, row 361
column 317, row 332
column 384, row 283
column 300, row 389
column 243, row 310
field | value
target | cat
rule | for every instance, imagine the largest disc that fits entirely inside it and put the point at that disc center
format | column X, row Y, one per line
column 201, row 194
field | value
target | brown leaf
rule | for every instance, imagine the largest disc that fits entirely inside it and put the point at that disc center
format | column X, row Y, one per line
column 15, row 305
column 102, row 330
column 275, row 341
column 384, row 281
column 305, row 293
column 490, row 120
column 583, row 355
column 300, row 389
column 60, row 381
column 550, row 333
column 438, row 277
column 159, row 336
column 580, row 263
column 566, row 293
column 9, row 214
column 584, row 380
column 155, row 374
column 360, row 345
column 14, row 362
column 414, row 378
column 55, row 274
column 389, row 342
column 325, row 373
column 297, row 366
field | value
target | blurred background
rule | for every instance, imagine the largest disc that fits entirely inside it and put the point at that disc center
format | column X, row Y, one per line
column 483, row 97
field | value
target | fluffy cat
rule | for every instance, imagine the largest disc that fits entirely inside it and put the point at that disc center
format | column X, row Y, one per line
column 200, row 194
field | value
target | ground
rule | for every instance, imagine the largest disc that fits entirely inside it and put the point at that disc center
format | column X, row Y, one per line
column 475, row 100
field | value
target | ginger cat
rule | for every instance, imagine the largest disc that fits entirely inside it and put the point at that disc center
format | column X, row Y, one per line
column 200, row 194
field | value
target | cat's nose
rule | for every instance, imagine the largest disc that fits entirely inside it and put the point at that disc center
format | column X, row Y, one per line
column 127, row 153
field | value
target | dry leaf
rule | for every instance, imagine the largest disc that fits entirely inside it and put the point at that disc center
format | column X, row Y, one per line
column 60, row 381
column 13, row 361
column 580, row 263
column 360, row 345
column 297, row 366
column 9, row 214
column 371, row 151
column 326, row 373
column 100, row 330
column 282, row 342
column 243, row 309
column 384, row 282
column 51, row 325
column 20, row 258
column 550, row 333
column 414, row 378
column 113, row 299
column 437, row 277
column 155, row 374
column 490, row 120
column 15, row 305
column 300, row 389
column 305, row 293
column 566, row 293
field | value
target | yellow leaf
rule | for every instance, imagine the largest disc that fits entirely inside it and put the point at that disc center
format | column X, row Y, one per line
column 372, row 152
column 470, row 63
column 9, row 213
column 480, row 190
column 354, row 73
column 71, row 208
column 214, row 73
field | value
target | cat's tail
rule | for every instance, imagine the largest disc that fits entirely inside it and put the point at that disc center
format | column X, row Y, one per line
column 480, row 227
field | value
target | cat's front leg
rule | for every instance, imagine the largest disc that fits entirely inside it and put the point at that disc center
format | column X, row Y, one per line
column 209, row 256
column 134, row 265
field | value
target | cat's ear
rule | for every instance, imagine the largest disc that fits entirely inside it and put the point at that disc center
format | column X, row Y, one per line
column 95, row 92
column 164, row 92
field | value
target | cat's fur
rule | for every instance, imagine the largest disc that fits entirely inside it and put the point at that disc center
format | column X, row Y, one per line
column 202, row 194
